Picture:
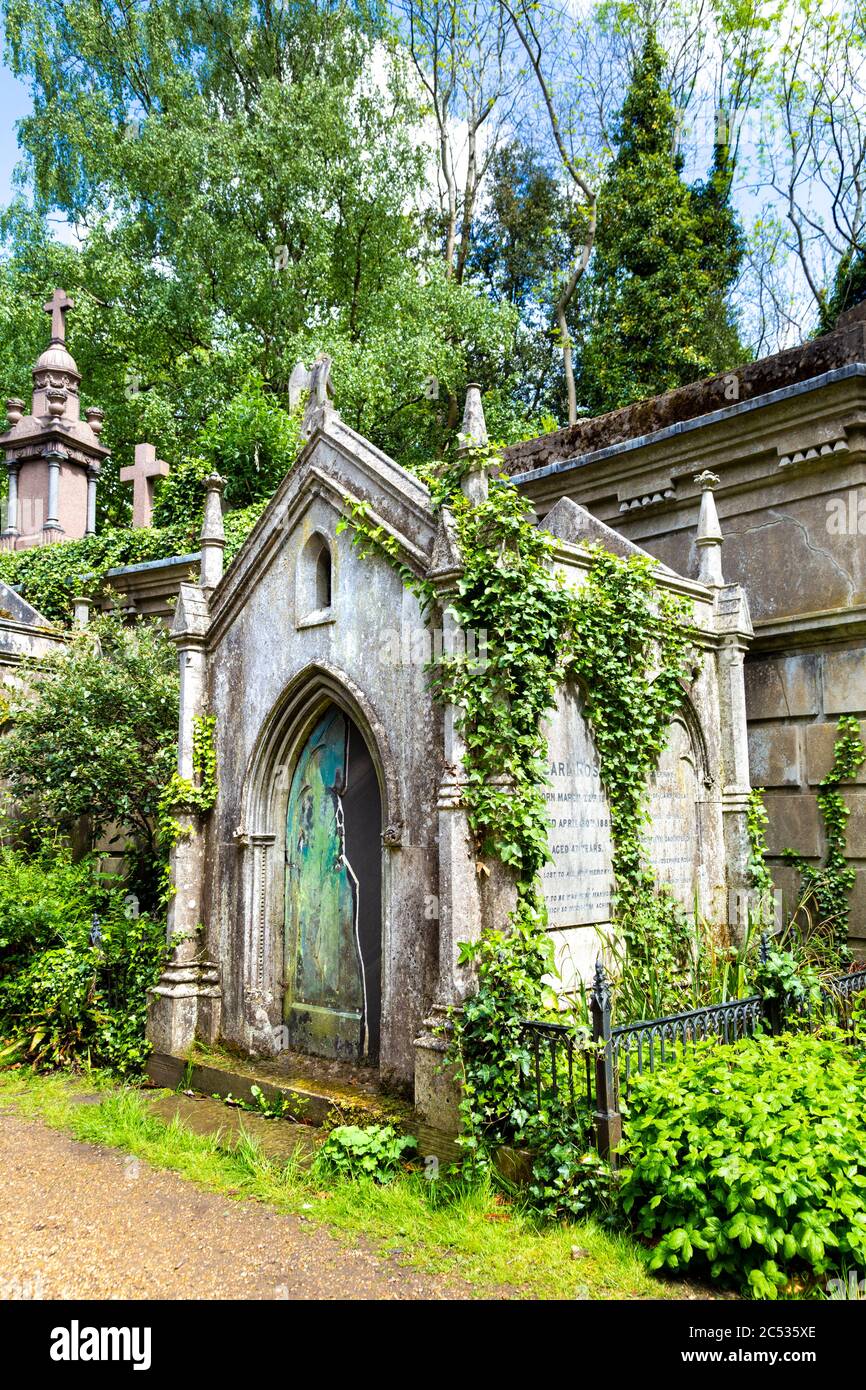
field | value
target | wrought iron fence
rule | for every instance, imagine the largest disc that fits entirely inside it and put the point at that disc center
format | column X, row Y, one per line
column 591, row 1070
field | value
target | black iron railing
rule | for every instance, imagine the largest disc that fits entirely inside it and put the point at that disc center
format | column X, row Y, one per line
column 591, row 1070
column 639, row 1047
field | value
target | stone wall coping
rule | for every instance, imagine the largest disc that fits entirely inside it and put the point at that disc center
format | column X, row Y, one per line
column 680, row 427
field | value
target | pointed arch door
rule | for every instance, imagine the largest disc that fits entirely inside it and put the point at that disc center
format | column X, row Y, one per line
column 333, row 903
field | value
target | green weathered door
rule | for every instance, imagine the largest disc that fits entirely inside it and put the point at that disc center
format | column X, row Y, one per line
column 332, row 955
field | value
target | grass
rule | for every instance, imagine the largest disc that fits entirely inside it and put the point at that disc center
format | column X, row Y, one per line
column 447, row 1227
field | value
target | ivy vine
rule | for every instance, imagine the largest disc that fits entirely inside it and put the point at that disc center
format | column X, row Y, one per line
column 185, row 796
column 628, row 643
column 826, row 887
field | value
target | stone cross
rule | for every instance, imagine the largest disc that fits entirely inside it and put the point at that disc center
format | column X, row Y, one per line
column 57, row 307
column 144, row 471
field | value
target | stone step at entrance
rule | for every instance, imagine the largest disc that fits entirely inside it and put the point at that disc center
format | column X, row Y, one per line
column 205, row 1116
column 319, row 1092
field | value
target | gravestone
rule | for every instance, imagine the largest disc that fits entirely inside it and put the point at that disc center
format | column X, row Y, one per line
column 578, row 883
column 672, row 837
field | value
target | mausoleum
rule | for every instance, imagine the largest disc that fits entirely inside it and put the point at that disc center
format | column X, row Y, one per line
column 322, row 901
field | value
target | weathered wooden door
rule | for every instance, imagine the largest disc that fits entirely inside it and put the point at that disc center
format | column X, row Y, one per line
column 334, row 895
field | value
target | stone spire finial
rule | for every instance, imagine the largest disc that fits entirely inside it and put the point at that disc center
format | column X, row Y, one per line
column 709, row 538
column 473, row 436
column 213, row 536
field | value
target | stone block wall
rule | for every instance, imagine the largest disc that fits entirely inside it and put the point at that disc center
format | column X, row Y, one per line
column 794, row 701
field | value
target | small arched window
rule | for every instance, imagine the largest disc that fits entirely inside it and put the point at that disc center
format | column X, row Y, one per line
column 323, row 578
column 315, row 582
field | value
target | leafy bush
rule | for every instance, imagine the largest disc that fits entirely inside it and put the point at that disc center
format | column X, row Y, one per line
column 749, row 1161
column 95, row 734
column 569, row 1180
column 376, row 1151
column 64, row 999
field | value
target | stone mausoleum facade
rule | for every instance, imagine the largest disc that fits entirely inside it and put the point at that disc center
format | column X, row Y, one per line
column 324, row 898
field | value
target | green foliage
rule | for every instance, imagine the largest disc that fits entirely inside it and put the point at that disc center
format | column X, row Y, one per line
column 251, row 441
column 64, row 1000
column 653, row 311
column 51, row 576
column 824, row 889
column 631, row 654
column 257, row 197
column 184, row 797
column 781, row 977
column 756, row 823
column 376, row 1152
column 94, row 733
column 570, row 1180
column 493, row 1061
column 848, row 289
column 508, row 592
column 747, row 1161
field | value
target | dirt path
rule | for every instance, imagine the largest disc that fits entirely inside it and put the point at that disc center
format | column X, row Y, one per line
column 78, row 1221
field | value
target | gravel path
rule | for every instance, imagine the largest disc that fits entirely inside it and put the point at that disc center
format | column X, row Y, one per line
column 77, row 1221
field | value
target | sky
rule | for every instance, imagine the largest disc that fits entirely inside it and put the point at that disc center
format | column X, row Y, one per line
column 14, row 103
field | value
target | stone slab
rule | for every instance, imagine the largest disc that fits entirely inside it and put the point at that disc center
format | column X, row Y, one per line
column 820, row 743
column 845, row 682
column 855, row 799
column 774, row 757
column 857, row 927
column 781, row 688
column 578, row 884
column 672, row 838
column 793, row 823
column 278, row 1139
column 576, row 949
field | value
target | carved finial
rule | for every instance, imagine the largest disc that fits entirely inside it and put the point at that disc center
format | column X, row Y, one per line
column 600, row 986
column 707, row 480
column 709, row 538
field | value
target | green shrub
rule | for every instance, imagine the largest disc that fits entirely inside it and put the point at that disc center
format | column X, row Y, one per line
column 570, row 1180
column 749, row 1161
column 64, row 999
column 376, row 1152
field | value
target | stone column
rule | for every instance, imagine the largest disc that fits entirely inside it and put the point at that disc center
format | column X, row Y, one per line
column 437, row 1093
column 11, row 527
column 81, row 607
column 460, row 919
column 54, row 458
column 734, row 626
column 185, row 1004
column 709, row 538
column 92, row 475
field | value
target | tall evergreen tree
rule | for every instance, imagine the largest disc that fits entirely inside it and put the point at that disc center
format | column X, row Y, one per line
column 654, row 312
column 849, row 287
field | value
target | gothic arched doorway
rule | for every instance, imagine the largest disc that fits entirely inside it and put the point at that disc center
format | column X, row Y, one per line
column 333, row 906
